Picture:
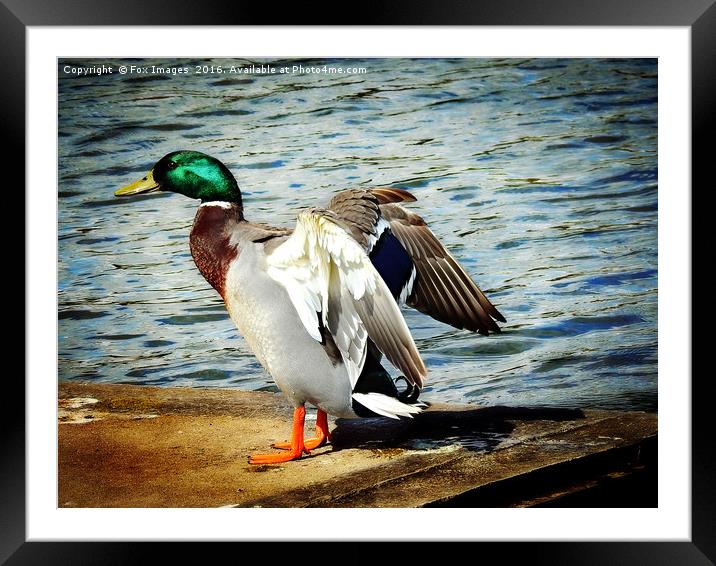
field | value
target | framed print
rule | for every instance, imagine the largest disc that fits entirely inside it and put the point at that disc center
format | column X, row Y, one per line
column 537, row 100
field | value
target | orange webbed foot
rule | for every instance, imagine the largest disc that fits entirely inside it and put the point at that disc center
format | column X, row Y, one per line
column 297, row 445
column 295, row 448
column 323, row 436
column 308, row 444
column 280, row 458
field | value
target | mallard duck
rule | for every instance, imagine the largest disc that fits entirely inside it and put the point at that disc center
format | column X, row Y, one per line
column 319, row 304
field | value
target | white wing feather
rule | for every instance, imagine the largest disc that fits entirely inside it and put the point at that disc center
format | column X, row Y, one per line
column 328, row 274
column 387, row 406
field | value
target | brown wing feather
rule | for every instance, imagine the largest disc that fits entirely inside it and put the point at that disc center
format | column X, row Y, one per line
column 356, row 210
column 386, row 195
column 442, row 288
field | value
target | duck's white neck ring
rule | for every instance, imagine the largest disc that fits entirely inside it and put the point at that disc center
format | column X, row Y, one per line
column 221, row 203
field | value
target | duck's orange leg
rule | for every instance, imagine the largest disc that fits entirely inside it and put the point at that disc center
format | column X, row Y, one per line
column 296, row 447
column 322, row 435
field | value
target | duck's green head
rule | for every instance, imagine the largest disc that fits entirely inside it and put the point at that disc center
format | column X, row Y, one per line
column 189, row 173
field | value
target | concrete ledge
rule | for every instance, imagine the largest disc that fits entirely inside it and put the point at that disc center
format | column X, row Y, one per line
column 137, row 446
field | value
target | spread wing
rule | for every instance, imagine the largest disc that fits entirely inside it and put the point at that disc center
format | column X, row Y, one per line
column 442, row 289
column 417, row 268
column 331, row 281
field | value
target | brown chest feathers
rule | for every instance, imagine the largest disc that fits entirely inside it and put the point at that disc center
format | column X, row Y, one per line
column 210, row 241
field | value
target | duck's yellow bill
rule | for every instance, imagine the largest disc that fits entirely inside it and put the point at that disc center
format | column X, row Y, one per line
column 146, row 184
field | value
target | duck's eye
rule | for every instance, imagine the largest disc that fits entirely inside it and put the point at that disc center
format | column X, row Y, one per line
column 171, row 165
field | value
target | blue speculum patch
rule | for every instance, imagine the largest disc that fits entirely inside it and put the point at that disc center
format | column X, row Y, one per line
column 392, row 262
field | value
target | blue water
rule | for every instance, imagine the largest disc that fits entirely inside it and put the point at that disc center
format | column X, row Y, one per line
column 539, row 174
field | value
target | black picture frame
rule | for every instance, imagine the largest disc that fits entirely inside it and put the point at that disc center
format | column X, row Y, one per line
column 699, row 15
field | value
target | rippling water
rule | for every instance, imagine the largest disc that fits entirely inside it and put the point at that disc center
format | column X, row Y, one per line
column 539, row 174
